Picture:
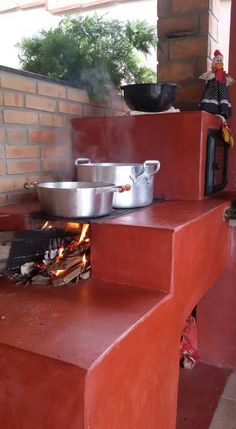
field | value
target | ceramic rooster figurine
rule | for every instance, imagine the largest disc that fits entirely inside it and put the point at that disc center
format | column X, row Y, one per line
column 216, row 98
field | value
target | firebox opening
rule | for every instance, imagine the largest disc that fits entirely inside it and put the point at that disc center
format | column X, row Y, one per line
column 54, row 253
column 189, row 342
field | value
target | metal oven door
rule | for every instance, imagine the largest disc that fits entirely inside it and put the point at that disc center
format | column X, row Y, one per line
column 216, row 162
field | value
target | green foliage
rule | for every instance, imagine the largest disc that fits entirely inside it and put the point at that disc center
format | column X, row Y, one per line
column 91, row 52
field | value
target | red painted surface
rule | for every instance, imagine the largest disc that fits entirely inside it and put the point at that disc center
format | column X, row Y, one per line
column 121, row 341
column 177, row 140
column 37, row 392
column 217, row 316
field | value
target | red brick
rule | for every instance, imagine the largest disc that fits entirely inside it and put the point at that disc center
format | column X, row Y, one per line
column 17, row 135
column 180, row 6
column 64, row 136
column 2, row 134
column 70, row 108
column 20, row 117
column 177, row 24
column 204, row 22
column 203, row 66
column 42, row 136
column 93, row 111
column 116, row 102
column 20, row 83
column 2, row 167
column 22, row 151
column 124, row 106
column 163, row 51
column 52, row 120
column 54, row 150
column 188, row 48
column 176, row 72
column 77, row 95
column 40, row 103
column 116, row 113
column 13, row 99
column 51, row 89
column 190, row 92
column 99, row 103
column 23, row 166
column 2, row 153
column 14, row 183
column 163, row 8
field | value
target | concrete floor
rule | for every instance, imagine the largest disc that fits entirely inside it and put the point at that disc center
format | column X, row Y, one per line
column 225, row 414
column 207, row 398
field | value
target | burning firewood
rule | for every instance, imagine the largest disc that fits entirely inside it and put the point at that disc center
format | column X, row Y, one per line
column 56, row 254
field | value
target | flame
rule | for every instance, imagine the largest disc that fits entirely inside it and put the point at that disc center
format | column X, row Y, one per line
column 57, row 273
column 84, row 260
column 74, row 244
column 83, row 232
column 60, row 252
column 72, row 225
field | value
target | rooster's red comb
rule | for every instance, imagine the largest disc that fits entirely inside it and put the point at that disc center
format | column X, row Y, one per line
column 217, row 52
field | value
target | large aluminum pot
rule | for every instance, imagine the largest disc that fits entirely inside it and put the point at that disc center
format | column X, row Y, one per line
column 76, row 199
column 139, row 176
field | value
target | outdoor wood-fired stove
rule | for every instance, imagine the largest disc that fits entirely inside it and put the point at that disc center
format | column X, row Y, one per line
column 105, row 353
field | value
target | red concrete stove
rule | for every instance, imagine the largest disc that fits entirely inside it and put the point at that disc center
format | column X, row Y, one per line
column 105, row 353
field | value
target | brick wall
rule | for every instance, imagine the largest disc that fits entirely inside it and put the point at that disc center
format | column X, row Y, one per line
column 35, row 141
column 188, row 35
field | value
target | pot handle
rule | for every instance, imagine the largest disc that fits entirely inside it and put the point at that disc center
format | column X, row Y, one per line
column 156, row 169
column 82, row 161
column 135, row 177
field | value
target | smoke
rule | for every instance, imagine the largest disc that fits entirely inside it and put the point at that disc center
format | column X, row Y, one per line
column 96, row 80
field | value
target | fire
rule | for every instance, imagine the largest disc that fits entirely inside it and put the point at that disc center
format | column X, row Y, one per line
column 57, row 273
column 46, row 225
column 83, row 232
column 72, row 225
column 60, row 253
column 67, row 255
column 84, row 260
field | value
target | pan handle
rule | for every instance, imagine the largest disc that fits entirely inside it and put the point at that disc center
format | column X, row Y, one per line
column 114, row 188
column 82, row 161
column 30, row 185
column 121, row 188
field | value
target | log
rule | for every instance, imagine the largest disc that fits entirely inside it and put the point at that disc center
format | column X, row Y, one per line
column 67, row 277
column 29, row 245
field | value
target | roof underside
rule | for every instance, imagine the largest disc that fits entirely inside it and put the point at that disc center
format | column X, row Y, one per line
column 52, row 6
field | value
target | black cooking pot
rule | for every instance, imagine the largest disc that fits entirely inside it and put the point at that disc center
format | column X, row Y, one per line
column 149, row 97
